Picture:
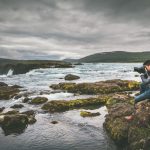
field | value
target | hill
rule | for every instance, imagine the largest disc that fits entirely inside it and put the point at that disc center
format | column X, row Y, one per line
column 116, row 56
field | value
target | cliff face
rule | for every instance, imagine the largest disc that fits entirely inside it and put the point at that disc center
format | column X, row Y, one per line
column 21, row 67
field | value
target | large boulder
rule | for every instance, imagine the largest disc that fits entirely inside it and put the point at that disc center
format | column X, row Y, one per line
column 115, row 123
column 134, row 133
column 13, row 122
column 62, row 105
column 102, row 87
column 71, row 77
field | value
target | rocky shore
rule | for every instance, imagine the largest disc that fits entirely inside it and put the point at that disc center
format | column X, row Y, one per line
column 21, row 67
column 114, row 94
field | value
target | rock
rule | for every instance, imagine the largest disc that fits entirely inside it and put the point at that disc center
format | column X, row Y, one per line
column 39, row 100
column 45, row 92
column 78, row 64
column 134, row 133
column 21, row 67
column 29, row 113
column 1, row 109
column 7, row 92
column 102, row 87
column 89, row 114
column 14, row 123
column 71, row 77
column 54, row 122
column 116, row 124
column 17, row 106
column 31, row 116
column 3, row 84
column 62, row 105
column 26, row 99
column 16, row 86
column 11, row 112
column 31, row 120
column 17, row 96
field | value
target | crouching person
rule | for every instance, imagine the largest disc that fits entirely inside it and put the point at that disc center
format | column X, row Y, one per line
column 144, row 86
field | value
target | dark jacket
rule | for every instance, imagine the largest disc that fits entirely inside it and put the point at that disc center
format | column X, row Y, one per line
column 146, row 78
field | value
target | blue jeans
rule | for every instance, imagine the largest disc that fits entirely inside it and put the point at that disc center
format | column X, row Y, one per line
column 144, row 93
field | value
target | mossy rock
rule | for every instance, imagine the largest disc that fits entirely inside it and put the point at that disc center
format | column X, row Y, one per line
column 135, row 133
column 89, row 114
column 39, row 100
column 62, row 105
column 71, row 77
column 102, row 87
column 138, row 137
column 117, row 129
column 7, row 92
column 16, row 122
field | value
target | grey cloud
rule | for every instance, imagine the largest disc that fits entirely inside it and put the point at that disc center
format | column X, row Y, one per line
column 57, row 29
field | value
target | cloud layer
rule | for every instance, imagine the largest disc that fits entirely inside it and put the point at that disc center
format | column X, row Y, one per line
column 58, row 29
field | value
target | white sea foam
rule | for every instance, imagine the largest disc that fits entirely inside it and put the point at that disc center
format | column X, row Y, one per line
column 10, row 72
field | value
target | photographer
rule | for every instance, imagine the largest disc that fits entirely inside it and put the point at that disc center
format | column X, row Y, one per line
column 144, row 86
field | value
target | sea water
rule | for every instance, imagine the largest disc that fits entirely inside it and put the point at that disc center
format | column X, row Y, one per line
column 72, row 131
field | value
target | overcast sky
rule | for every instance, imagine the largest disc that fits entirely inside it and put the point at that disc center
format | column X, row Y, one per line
column 58, row 29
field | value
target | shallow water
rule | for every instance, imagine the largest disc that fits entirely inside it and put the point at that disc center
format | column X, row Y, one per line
column 72, row 131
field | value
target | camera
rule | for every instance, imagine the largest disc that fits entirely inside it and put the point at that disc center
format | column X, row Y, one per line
column 140, row 69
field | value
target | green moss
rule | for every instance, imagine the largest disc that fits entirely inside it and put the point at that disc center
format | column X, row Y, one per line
column 103, row 87
column 8, row 92
column 137, row 137
column 88, row 114
column 117, row 129
column 39, row 100
column 62, row 105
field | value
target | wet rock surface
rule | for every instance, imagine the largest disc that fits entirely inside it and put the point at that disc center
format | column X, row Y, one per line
column 102, row 87
column 7, row 92
column 17, row 106
column 1, row 109
column 71, row 77
column 39, row 100
column 14, row 122
column 134, row 133
column 63, row 105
